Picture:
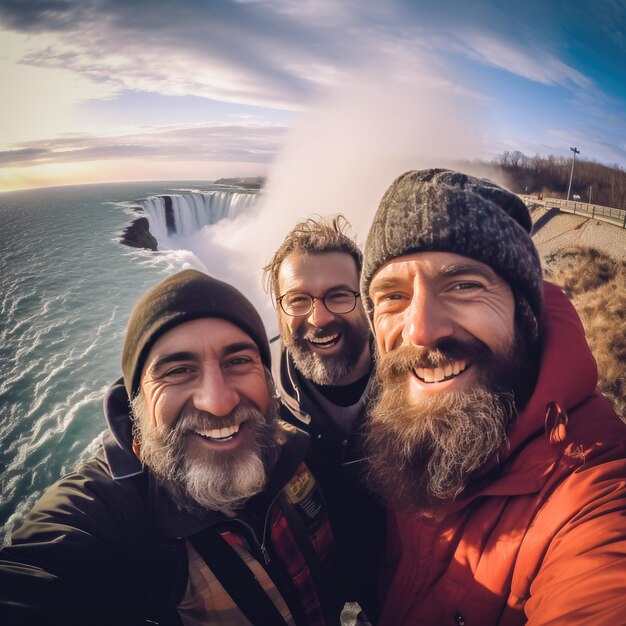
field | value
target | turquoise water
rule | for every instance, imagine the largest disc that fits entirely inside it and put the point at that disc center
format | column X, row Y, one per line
column 67, row 286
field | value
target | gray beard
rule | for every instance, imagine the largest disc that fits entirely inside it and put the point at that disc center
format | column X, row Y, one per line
column 218, row 481
column 326, row 370
column 320, row 370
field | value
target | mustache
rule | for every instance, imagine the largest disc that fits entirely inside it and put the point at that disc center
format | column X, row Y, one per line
column 302, row 334
column 409, row 357
column 193, row 419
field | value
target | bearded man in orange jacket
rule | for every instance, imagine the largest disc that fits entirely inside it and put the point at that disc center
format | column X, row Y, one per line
column 503, row 468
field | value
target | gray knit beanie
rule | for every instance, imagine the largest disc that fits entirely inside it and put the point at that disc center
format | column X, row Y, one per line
column 180, row 298
column 445, row 211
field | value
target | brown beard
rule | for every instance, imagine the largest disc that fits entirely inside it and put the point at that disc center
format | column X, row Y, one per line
column 422, row 454
column 218, row 480
column 326, row 370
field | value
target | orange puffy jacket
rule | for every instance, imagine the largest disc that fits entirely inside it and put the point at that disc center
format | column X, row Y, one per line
column 543, row 540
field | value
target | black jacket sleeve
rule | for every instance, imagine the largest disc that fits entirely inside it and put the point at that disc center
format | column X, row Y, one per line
column 86, row 554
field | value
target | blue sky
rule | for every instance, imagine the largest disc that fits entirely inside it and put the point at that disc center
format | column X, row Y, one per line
column 108, row 90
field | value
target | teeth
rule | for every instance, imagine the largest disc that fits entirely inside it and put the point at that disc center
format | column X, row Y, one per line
column 219, row 433
column 438, row 374
column 322, row 341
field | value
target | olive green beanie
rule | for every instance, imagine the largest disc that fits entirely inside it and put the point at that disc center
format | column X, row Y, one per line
column 180, row 298
column 445, row 211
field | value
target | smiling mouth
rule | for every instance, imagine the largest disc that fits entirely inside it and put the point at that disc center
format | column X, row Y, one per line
column 440, row 374
column 228, row 433
column 325, row 342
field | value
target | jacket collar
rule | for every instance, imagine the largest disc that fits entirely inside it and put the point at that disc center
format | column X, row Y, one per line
column 287, row 382
column 118, row 438
column 567, row 370
column 293, row 388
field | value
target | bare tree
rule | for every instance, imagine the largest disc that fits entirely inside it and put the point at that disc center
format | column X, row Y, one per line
column 550, row 175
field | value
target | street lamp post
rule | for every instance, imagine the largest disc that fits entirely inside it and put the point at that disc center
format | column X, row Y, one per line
column 571, row 174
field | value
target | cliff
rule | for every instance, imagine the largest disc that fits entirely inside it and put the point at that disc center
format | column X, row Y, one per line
column 138, row 235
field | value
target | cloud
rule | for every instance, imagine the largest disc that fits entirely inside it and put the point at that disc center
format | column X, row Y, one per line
column 238, row 52
column 272, row 53
column 254, row 143
column 283, row 55
column 591, row 139
column 37, row 15
column 20, row 156
column 531, row 62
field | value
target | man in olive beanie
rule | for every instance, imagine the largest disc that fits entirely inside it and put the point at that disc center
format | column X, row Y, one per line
column 503, row 469
column 198, row 506
column 180, row 298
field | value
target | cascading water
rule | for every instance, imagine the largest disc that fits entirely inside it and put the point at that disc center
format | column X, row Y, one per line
column 187, row 213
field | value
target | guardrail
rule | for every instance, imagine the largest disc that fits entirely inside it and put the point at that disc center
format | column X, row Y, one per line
column 604, row 213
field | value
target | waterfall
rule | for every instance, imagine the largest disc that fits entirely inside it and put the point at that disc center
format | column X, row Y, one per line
column 186, row 213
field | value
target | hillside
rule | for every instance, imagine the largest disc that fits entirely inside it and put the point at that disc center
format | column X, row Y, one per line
column 587, row 259
column 596, row 284
column 550, row 175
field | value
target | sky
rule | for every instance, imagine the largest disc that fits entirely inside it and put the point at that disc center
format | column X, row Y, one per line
column 112, row 90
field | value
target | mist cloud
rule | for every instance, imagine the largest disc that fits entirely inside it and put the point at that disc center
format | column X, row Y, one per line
column 340, row 157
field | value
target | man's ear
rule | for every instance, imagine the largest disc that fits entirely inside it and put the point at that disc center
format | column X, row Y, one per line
column 137, row 405
column 271, row 385
column 137, row 448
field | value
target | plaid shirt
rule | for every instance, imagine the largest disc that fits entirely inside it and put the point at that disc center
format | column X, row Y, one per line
column 206, row 602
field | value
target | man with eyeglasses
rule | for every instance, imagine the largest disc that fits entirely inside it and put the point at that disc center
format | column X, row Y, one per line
column 323, row 369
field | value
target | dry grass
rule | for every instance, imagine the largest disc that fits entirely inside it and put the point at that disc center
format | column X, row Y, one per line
column 596, row 284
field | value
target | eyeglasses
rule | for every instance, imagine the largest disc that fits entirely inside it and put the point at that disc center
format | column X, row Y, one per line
column 338, row 301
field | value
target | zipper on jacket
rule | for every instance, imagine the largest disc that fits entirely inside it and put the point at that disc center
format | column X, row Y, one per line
column 302, row 416
column 259, row 546
column 262, row 546
column 265, row 553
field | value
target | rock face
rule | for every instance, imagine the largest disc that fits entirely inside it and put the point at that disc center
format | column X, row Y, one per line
column 138, row 235
column 170, row 222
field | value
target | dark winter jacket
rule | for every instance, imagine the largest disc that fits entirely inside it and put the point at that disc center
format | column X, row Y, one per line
column 336, row 458
column 107, row 546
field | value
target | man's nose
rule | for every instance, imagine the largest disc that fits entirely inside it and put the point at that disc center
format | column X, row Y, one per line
column 426, row 321
column 320, row 315
column 215, row 394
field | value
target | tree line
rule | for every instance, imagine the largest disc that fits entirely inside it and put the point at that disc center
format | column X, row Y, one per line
column 549, row 175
